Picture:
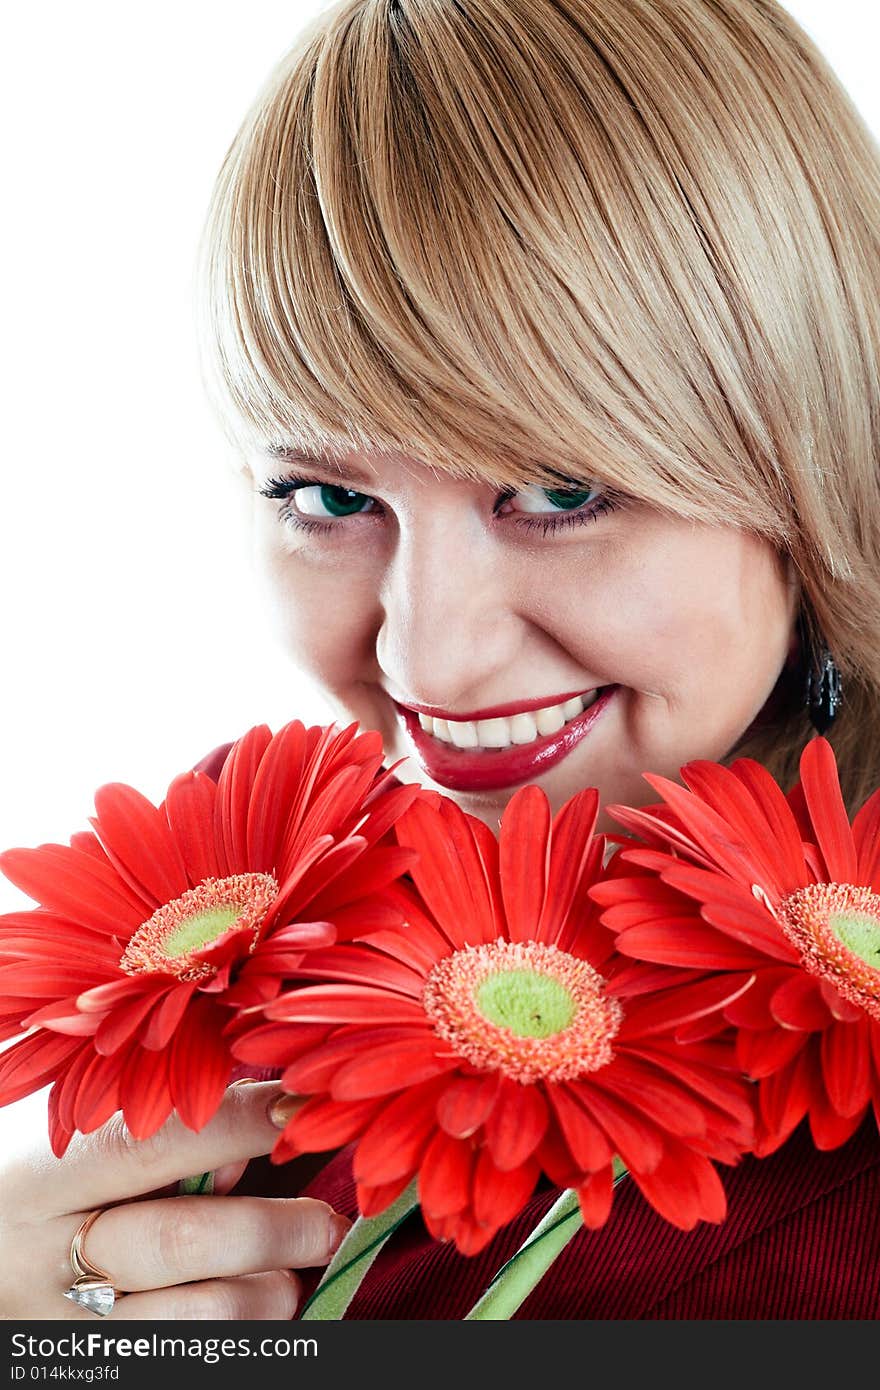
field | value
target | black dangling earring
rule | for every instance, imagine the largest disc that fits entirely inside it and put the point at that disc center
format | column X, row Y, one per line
column 823, row 689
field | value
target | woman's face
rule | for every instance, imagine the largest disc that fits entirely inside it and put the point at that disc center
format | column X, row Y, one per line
column 404, row 592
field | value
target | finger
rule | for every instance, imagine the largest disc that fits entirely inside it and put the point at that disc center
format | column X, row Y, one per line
column 227, row 1176
column 267, row 1297
column 152, row 1245
column 109, row 1165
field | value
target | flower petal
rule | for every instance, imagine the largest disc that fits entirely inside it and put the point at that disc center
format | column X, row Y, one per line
column 97, row 1096
column 231, row 808
column 200, row 1065
column 846, row 1065
column 595, row 1194
column 391, row 1067
column 784, row 1098
column 840, row 1008
column 466, row 1103
column 344, row 1004
column 798, row 1003
column 372, row 1201
column 765, row 1052
column 571, row 840
column 586, row 1140
column 445, row 1176
column 516, row 1124
column 658, row 1096
column 821, row 788
column 689, row 942
column 396, row 1139
column 315, row 1067
column 189, row 809
column 667, row 1009
column 277, row 778
column 683, row 1187
column 866, row 838
column 77, row 885
column 138, row 842
column 828, row 1129
column 499, row 1195
column 437, row 835
column 634, row 1137
column 524, row 859
column 144, row 1091
column 357, row 964
column 28, row 1065
column 120, row 1025
column 324, row 1124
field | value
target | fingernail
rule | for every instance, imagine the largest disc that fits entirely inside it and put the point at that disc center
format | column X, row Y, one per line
column 339, row 1229
column 283, row 1108
column 244, row 1081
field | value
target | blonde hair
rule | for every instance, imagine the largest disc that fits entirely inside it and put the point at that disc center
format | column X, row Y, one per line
column 635, row 241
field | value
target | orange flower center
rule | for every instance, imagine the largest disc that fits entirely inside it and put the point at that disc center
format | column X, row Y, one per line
column 531, row 1011
column 170, row 940
column 836, row 928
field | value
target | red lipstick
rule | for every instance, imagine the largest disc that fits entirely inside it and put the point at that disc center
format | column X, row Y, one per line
column 485, row 769
column 495, row 711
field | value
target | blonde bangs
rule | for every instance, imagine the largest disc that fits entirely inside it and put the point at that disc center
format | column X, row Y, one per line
column 517, row 241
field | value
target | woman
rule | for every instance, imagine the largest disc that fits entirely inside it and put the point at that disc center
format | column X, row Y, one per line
column 547, row 338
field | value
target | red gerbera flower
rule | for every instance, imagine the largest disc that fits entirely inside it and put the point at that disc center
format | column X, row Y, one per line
column 737, row 877
column 499, row 1034
column 154, row 929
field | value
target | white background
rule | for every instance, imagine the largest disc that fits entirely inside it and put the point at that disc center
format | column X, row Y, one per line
column 132, row 643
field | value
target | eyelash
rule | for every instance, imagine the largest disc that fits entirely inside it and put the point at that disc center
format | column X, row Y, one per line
column 283, row 488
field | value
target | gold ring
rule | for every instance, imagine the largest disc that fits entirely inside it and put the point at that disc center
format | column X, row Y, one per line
column 92, row 1288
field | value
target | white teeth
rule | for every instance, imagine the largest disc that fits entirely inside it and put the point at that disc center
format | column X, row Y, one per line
column 550, row 721
column 493, row 733
column 505, row 733
column 523, row 729
column 463, row 733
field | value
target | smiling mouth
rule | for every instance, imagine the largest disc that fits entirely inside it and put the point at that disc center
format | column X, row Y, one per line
column 506, row 749
column 511, row 731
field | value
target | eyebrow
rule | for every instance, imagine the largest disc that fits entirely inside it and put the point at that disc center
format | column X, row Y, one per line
column 287, row 454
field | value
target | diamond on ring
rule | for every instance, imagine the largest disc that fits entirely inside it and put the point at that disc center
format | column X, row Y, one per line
column 96, row 1295
column 92, row 1288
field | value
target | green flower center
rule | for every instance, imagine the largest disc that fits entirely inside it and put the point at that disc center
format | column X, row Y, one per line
column 836, row 929
column 860, row 933
column 528, row 1010
column 201, row 928
column 529, row 1004
column 170, row 941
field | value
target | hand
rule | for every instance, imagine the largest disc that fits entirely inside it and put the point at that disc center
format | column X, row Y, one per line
column 175, row 1257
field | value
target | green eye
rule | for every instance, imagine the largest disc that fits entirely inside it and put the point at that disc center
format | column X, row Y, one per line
column 329, row 499
column 341, row 501
column 544, row 501
column 567, row 498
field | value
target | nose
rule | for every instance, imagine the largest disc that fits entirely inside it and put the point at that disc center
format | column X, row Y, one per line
column 450, row 628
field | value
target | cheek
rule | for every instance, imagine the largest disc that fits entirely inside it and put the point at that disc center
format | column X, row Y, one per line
column 678, row 612
column 322, row 614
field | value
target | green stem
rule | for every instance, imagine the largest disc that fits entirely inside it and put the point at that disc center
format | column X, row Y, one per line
column 517, row 1278
column 357, row 1252
column 199, row 1185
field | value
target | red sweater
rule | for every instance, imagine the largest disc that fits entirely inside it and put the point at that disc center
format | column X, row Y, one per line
column 801, row 1241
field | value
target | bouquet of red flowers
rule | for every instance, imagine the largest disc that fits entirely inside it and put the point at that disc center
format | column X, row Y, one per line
column 470, row 1010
